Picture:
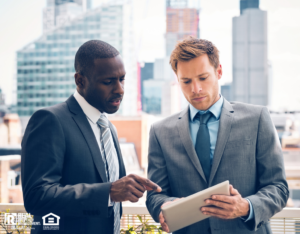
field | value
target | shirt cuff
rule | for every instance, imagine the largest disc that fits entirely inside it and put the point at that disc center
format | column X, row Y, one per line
column 250, row 216
column 110, row 203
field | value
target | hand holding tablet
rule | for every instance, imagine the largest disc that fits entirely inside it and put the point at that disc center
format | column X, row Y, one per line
column 183, row 212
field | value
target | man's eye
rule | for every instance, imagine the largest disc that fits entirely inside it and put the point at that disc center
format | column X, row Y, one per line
column 186, row 82
column 107, row 82
column 203, row 78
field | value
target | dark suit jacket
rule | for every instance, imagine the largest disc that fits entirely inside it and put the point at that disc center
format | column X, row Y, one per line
column 247, row 153
column 63, row 172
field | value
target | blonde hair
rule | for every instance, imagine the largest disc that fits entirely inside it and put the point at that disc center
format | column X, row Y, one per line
column 192, row 48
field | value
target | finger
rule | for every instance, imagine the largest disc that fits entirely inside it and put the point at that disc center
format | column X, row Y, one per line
column 166, row 203
column 161, row 218
column 223, row 198
column 139, row 186
column 220, row 204
column 165, row 227
column 213, row 210
column 215, row 215
column 149, row 185
column 133, row 198
column 136, row 192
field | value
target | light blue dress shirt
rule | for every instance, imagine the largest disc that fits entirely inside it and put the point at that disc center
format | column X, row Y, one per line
column 213, row 128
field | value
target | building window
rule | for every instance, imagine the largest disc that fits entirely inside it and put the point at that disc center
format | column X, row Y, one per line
column 13, row 178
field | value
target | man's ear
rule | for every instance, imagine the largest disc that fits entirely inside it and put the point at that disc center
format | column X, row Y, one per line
column 219, row 72
column 80, row 80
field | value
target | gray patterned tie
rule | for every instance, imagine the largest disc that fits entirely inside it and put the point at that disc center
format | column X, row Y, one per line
column 110, row 164
column 203, row 144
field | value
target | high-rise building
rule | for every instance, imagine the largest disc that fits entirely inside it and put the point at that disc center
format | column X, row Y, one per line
column 270, row 83
column 146, row 74
column 59, row 12
column 245, row 4
column 161, row 94
column 250, row 57
column 170, row 100
column 182, row 21
column 183, row 3
column 226, row 91
column 2, row 100
column 153, row 96
column 157, row 92
column 3, row 107
column 45, row 67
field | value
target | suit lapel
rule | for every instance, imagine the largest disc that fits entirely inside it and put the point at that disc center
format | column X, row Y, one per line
column 223, row 134
column 122, row 171
column 88, row 134
column 185, row 136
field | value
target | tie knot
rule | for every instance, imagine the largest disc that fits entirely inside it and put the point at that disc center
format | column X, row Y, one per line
column 205, row 117
column 102, row 121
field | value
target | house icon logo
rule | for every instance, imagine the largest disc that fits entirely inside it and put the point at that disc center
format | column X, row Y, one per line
column 51, row 219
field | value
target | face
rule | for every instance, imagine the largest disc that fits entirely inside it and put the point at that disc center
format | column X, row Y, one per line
column 198, row 80
column 104, row 89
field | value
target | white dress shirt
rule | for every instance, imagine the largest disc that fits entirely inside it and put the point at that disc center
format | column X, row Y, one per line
column 92, row 115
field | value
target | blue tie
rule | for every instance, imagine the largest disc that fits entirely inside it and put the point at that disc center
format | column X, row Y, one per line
column 203, row 144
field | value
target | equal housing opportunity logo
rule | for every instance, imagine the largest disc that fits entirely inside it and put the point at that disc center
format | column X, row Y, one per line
column 51, row 222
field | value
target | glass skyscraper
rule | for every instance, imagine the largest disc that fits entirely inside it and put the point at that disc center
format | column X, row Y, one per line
column 45, row 67
column 250, row 78
column 245, row 4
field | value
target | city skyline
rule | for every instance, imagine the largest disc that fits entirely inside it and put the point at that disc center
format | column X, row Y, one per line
column 46, row 66
column 283, row 30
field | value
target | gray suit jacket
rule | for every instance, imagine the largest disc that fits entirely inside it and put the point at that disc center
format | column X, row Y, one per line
column 63, row 171
column 247, row 153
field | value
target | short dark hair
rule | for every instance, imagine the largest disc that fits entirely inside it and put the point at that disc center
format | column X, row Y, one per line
column 91, row 50
column 192, row 48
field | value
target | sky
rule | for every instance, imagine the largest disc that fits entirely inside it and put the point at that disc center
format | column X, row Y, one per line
column 22, row 24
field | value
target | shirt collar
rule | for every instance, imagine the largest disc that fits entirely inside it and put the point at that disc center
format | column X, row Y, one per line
column 91, row 112
column 215, row 109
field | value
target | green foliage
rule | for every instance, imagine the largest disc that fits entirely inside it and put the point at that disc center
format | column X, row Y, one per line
column 144, row 227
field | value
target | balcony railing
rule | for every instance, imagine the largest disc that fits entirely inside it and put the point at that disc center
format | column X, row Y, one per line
column 285, row 222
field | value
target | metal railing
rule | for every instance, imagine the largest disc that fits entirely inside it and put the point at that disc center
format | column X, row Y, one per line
column 285, row 222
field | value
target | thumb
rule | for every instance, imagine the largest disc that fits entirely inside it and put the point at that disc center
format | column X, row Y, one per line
column 233, row 191
column 166, row 203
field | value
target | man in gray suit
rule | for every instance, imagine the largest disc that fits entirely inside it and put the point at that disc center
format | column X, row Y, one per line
column 211, row 141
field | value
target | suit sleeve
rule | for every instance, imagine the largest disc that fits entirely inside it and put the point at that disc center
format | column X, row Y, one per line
column 157, row 172
column 43, row 160
column 272, row 186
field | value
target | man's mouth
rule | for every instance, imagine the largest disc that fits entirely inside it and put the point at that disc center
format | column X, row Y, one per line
column 197, row 99
column 116, row 102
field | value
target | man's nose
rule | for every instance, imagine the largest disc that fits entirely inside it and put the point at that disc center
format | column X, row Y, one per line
column 196, row 87
column 119, row 88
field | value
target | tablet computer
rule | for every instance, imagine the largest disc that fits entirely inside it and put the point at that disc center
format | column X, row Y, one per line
column 186, row 211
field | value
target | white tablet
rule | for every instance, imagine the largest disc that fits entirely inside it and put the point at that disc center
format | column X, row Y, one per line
column 186, row 211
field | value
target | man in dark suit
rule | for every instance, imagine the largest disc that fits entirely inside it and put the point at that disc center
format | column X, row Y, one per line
column 71, row 160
